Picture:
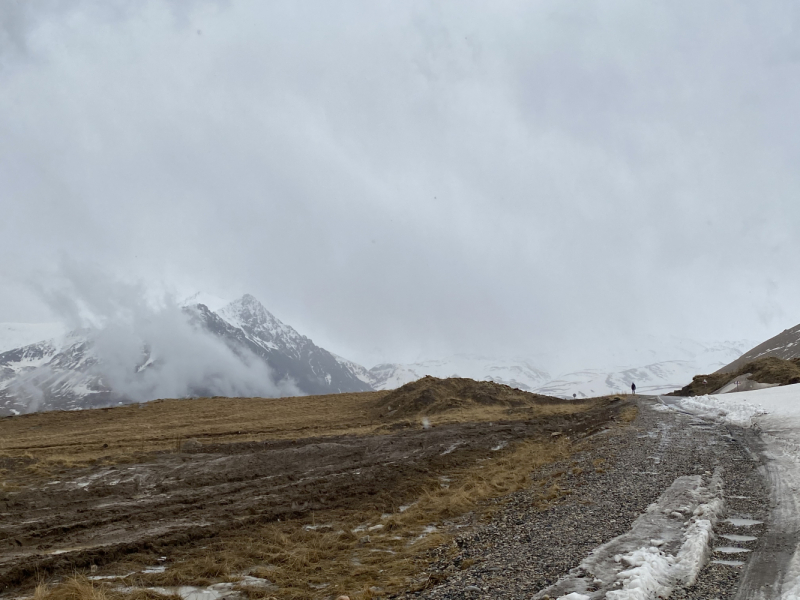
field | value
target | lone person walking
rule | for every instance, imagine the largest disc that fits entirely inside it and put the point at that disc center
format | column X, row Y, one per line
column 633, row 388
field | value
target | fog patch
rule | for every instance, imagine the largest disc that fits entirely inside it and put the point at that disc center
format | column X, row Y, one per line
column 144, row 346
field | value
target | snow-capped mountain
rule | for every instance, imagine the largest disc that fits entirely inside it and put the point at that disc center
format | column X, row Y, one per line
column 247, row 324
column 55, row 373
column 83, row 369
column 785, row 345
column 672, row 364
column 677, row 360
column 518, row 373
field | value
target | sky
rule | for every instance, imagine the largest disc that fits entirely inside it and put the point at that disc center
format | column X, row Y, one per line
column 411, row 179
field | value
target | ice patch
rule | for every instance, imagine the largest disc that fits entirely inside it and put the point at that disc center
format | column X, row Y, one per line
column 739, row 522
column 451, row 448
column 156, row 569
column 659, row 552
column 739, row 538
column 730, row 550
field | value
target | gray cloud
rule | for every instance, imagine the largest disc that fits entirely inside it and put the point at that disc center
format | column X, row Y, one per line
column 410, row 179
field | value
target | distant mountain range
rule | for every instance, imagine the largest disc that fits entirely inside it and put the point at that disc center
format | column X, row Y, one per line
column 74, row 370
column 517, row 373
column 658, row 377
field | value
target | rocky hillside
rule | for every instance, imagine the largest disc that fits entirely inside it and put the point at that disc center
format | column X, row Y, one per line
column 785, row 345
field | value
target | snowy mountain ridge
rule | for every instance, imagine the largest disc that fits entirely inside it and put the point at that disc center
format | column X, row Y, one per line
column 246, row 350
column 674, row 362
column 514, row 372
column 785, row 345
column 240, row 350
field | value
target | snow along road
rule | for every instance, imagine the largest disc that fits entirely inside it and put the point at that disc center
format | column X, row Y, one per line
column 773, row 417
column 670, row 505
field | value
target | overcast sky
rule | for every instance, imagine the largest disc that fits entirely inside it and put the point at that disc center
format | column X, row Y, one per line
column 405, row 179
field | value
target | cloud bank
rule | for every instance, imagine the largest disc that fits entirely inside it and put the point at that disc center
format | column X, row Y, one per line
column 144, row 345
column 410, row 179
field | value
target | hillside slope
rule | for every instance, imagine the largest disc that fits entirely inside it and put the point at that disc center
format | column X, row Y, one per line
column 785, row 345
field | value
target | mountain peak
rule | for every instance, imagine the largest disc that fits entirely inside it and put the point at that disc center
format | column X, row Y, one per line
column 213, row 303
column 248, row 310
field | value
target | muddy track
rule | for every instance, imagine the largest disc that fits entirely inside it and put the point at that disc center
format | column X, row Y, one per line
column 99, row 514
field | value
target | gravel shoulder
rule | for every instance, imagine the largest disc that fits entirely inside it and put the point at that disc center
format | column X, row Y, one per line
column 622, row 470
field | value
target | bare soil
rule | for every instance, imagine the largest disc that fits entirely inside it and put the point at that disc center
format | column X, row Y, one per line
column 57, row 518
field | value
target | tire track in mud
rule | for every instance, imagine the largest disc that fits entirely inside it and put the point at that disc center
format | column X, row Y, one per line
column 101, row 513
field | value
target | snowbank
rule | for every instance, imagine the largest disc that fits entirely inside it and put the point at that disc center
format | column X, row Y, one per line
column 666, row 547
column 740, row 408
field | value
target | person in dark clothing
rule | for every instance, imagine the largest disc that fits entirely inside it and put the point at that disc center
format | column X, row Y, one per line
column 633, row 388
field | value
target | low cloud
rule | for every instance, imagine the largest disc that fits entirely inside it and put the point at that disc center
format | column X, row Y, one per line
column 144, row 345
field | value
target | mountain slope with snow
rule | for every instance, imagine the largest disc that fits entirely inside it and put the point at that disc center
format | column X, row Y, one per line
column 517, row 373
column 241, row 350
column 246, row 323
column 785, row 345
column 673, row 363
column 677, row 362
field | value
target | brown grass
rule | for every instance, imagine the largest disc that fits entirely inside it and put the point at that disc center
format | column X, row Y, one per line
column 56, row 441
column 769, row 369
column 79, row 587
column 629, row 413
column 337, row 549
column 80, row 437
column 372, row 548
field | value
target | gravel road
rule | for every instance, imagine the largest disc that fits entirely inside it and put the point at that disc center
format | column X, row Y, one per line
column 525, row 549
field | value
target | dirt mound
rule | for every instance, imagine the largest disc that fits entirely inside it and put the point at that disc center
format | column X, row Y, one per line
column 431, row 395
column 763, row 370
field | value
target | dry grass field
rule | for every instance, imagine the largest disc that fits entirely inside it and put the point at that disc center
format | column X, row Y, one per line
column 127, row 432
column 298, row 498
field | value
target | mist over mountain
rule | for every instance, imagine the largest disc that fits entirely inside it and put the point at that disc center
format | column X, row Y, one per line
column 143, row 353
column 123, row 344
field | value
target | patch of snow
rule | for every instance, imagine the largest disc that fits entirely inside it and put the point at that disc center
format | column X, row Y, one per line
column 776, row 413
column 451, row 448
column 729, row 563
column 739, row 522
column 633, row 567
column 155, row 569
column 739, row 538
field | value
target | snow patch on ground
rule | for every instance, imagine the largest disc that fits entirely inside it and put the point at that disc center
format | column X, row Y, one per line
column 666, row 547
column 776, row 413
